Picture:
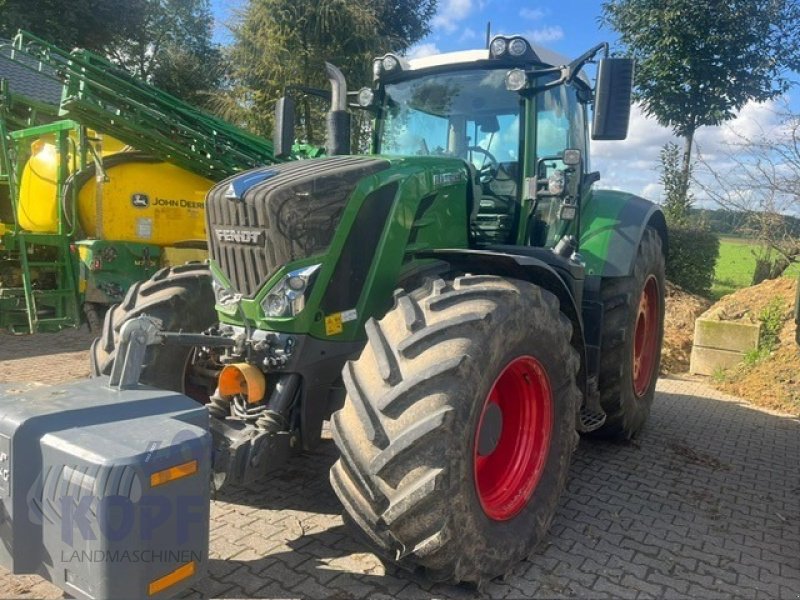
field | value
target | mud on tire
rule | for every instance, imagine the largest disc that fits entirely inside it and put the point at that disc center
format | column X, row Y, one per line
column 183, row 299
column 626, row 407
column 408, row 430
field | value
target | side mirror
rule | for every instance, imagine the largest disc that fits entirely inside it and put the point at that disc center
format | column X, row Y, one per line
column 554, row 182
column 283, row 137
column 612, row 100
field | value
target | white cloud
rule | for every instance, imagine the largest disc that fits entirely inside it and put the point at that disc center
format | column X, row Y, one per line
column 633, row 164
column 752, row 122
column 543, row 35
column 652, row 191
column 451, row 12
column 532, row 14
column 423, row 50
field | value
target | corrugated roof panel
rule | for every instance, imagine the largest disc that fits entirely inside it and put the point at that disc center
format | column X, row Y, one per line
column 25, row 82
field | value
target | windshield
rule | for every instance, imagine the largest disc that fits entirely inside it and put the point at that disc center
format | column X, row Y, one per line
column 470, row 114
column 450, row 114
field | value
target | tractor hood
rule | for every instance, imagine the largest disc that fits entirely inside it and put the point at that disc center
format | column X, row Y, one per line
column 265, row 218
column 292, row 245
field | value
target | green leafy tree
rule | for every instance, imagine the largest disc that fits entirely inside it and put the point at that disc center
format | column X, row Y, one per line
column 165, row 42
column 699, row 61
column 169, row 43
column 90, row 24
column 280, row 44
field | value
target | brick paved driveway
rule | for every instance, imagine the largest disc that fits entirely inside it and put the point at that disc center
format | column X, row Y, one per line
column 706, row 504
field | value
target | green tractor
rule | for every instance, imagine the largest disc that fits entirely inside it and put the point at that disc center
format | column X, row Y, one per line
column 460, row 304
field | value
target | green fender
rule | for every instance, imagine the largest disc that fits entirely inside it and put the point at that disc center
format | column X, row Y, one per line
column 612, row 225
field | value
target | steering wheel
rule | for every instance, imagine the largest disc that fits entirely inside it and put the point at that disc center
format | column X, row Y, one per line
column 488, row 172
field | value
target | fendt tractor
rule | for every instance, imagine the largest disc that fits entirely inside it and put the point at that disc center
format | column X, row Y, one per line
column 460, row 304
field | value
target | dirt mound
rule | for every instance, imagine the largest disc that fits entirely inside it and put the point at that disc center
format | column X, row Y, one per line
column 773, row 380
column 748, row 303
column 682, row 308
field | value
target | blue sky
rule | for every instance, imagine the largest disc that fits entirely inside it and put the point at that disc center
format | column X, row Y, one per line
column 569, row 27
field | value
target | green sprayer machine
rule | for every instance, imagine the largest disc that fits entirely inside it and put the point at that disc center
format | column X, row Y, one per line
column 101, row 187
column 460, row 304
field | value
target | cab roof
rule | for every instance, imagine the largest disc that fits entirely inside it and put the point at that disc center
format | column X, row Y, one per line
column 546, row 57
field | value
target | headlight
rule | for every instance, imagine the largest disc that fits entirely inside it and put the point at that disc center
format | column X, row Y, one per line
column 288, row 297
column 516, row 79
column 498, row 46
column 390, row 63
column 365, row 97
column 517, row 47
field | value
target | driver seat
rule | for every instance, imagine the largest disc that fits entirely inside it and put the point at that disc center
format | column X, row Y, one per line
column 493, row 223
column 474, row 194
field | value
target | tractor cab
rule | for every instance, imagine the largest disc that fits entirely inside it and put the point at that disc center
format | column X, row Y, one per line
column 462, row 105
column 515, row 118
column 517, row 114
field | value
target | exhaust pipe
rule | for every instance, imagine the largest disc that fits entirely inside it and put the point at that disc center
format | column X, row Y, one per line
column 338, row 122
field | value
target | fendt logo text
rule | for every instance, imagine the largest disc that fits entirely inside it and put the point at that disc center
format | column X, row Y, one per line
column 241, row 236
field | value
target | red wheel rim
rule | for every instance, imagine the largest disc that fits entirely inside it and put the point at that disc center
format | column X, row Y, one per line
column 508, row 460
column 645, row 341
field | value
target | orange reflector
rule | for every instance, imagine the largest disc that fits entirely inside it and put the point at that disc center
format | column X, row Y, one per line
column 173, row 473
column 242, row 379
column 170, row 579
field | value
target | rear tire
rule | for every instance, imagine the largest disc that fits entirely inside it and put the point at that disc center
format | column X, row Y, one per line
column 419, row 434
column 183, row 299
column 629, row 368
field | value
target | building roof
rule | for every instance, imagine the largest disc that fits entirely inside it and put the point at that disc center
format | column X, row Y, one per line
column 23, row 81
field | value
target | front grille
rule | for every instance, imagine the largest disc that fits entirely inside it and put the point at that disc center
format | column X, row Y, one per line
column 291, row 215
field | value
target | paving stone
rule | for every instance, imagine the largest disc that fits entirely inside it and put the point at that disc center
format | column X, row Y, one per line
column 703, row 505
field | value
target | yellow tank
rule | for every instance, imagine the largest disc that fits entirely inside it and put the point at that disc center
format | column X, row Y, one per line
column 38, row 202
column 150, row 202
column 141, row 199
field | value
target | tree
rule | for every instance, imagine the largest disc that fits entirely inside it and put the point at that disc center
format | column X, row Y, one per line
column 693, row 247
column 699, row 61
column 678, row 198
column 280, row 44
column 165, row 42
column 90, row 24
column 759, row 177
column 169, row 43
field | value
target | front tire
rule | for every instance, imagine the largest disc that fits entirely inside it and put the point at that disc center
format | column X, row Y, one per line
column 459, row 426
column 630, row 351
column 183, row 299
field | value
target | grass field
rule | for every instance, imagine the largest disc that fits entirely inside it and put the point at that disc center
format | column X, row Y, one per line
column 735, row 266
